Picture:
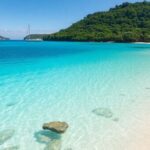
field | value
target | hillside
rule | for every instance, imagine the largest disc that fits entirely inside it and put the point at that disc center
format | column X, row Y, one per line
column 3, row 38
column 129, row 22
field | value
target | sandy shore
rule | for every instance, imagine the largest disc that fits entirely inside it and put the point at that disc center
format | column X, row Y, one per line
column 141, row 42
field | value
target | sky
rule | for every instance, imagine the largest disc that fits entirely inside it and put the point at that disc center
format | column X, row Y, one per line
column 46, row 16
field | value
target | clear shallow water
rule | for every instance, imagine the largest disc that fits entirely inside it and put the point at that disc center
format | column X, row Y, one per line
column 50, row 81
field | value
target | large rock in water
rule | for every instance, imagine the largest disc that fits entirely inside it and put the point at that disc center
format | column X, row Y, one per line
column 58, row 127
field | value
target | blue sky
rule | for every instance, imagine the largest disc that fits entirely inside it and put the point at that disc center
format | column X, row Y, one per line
column 46, row 16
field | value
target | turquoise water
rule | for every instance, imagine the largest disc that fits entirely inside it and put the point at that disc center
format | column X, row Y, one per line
column 61, row 81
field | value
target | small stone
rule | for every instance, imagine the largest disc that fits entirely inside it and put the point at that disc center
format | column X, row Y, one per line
column 58, row 127
column 116, row 119
column 104, row 112
column 122, row 94
column 44, row 139
column 6, row 135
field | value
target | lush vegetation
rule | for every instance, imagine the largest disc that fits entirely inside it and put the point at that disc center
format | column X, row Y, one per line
column 124, row 23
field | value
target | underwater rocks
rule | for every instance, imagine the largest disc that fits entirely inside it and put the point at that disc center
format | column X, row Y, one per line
column 11, row 148
column 46, row 136
column 11, row 104
column 105, row 112
column 116, row 119
column 51, row 135
column 58, row 127
column 41, row 138
column 54, row 144
column 51, row 139
column 6, row 135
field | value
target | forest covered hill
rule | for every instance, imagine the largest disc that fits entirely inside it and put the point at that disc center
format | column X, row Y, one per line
column 128, row 22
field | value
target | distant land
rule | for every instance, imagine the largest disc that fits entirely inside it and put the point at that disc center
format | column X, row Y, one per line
column 3, row 38
column 128, row 22
column 34, row 36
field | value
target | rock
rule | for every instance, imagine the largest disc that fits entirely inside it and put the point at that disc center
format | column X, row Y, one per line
column 6, row 135
column 11, row 104
column 58, row 127
column 116, row 119
column 11, row 148
column 105, row 112
column 122, row 94
column 55, row 144
column 43, row 138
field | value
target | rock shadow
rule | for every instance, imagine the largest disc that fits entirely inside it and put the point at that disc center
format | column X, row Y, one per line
column 51, row 139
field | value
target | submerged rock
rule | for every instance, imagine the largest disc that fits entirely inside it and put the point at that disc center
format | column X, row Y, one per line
column 104, row 112
column 55, row 144
column 116, row 119
column 6, row 135
column 43, row 138
column 122, row 94
column 58, row 127
column 11, row 148
column 11, row 104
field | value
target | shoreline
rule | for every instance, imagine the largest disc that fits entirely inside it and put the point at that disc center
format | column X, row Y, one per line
column 141, row 42
column 32, row 40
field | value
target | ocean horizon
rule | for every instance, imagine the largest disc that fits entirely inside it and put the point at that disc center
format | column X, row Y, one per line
column 102, row 90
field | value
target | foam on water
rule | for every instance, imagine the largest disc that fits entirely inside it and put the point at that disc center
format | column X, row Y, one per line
column 51, row 81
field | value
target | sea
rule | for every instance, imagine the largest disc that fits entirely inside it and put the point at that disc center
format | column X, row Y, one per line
column 102, row 90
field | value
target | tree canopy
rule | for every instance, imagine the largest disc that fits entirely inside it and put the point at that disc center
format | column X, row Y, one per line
column 128, row 22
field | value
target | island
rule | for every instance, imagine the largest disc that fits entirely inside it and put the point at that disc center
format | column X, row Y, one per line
column 3, row 38
column 128, row 22
column 34, row 37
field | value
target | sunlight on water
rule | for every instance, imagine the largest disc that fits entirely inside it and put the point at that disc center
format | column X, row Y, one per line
column 101, row 90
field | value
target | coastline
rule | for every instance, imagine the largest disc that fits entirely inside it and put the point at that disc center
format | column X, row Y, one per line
column 40, row 40
column 141, row 42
